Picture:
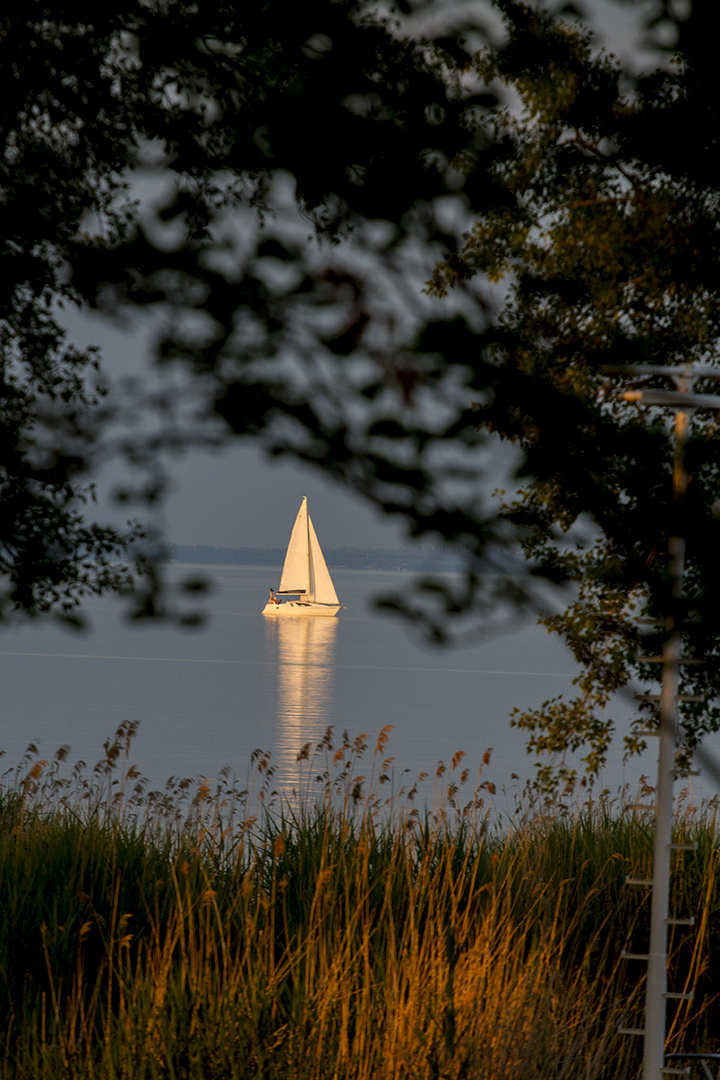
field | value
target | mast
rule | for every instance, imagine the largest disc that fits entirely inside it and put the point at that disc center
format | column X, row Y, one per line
column 308, row 548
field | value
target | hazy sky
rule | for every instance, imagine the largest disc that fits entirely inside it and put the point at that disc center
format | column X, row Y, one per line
column 239, row 497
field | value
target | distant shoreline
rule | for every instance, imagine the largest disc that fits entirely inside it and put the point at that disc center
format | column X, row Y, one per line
column 345, row 558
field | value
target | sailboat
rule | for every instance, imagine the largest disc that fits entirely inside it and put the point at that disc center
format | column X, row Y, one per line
column 304, row 575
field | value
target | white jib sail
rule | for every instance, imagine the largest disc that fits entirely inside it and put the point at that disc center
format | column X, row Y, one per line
column 322, row 590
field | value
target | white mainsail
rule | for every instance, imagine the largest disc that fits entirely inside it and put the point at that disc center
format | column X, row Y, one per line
column 296, row 576
column 305, row 573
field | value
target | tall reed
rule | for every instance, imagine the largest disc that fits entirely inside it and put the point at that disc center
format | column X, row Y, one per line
column 214, row 933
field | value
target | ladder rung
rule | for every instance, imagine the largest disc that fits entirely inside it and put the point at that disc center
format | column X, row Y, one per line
column 634, row 955
column 631, row 1031
column 683, row 847
column 637, row 881
column 646, row 734
column 667, row 1071
column 681, row 922
column 693, row 1057
column 642, row 806
column 679, row 997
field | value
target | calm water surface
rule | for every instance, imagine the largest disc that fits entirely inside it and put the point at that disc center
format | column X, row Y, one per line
column 206, row 700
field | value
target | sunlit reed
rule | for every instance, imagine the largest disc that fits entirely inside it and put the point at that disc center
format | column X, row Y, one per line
column 219, row 931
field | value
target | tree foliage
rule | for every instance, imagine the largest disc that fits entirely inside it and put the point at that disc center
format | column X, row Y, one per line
column 609, row 244
column 274, row 182
column 56, row 157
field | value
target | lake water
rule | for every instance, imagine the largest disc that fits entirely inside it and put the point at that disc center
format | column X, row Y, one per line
column 208, row 699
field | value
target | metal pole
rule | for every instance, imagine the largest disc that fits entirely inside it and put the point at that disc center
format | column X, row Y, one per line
column 656, row 989
column 684, row 400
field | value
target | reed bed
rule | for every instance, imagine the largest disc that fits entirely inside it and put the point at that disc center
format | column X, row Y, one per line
column 216, row 932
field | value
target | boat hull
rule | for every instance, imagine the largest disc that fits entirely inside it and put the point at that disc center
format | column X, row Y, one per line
column 302, row 608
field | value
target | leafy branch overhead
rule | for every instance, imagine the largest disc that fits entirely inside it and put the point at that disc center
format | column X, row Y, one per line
column 607, row 246
column 274, row 184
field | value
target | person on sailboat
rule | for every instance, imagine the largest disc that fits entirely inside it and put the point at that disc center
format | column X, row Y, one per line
column 273, row 598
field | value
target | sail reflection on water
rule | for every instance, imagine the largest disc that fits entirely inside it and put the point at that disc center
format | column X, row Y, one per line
column 302, row 653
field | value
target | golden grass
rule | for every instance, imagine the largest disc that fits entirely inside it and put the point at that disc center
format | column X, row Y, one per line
column 329, row 942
